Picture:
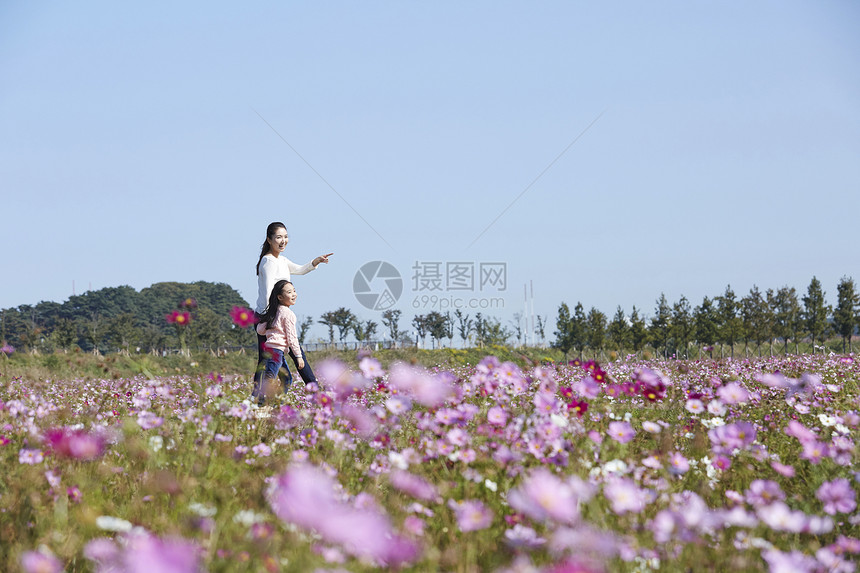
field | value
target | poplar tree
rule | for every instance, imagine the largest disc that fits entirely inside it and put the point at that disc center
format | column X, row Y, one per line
column 815, row 312
column 845, row 314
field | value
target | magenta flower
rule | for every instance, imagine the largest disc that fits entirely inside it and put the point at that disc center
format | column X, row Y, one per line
column 621, row 432
column 472, row 515
column 40, row 562
column 242, row 317
column 7, row 349
column 837, row 496
column 179, row 318
column 76, row 444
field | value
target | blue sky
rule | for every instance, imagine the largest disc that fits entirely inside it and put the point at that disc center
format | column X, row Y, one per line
column 713, row 144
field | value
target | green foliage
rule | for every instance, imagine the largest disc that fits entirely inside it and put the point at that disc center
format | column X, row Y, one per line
column 118, row 319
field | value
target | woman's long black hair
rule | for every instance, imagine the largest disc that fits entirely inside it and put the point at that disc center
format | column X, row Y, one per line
column 270, row 232
column 271, row 311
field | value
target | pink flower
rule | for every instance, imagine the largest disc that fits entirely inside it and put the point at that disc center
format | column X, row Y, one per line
column 30, row 457
column 814, row 451
column 544, row 497
column 782, row 469
column 76, row 444
column 371, row 368
column 306, row 496
column 625, row 496
column 497, row 416
column 40, row 562
column 472, row 515
column 413, row 485
column 147, row 420
column 145, row 553
column 426, row 389
column 837, row 496
column 678, row 464
column 621, row 432
column 242, row 317
column 733, row 393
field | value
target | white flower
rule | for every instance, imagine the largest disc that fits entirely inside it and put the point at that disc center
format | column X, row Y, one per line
column 108, row 523
column 156, row 443
column 615, row 466
column 202, row 510
column 651, row 427
column 490, row 485
column 247, row 518
column 398, row 460
column 558, row 420
column 827, row 420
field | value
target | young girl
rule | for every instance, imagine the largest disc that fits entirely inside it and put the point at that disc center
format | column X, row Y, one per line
column 273, row 266
column 278, row 323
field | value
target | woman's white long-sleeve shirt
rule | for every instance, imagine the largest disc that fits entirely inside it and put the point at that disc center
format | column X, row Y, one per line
column 272, row 270
column 283, row 332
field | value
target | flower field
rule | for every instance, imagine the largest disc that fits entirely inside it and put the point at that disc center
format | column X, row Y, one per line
column 745, row 465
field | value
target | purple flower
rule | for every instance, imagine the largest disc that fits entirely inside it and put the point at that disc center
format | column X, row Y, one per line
column 40, row 562
column 472, row 515
column 764, row 492
column 837, row 496
column 733, row 393
column 621, row 432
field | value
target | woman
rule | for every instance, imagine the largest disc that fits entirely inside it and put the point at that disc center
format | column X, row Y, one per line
column 271, row 268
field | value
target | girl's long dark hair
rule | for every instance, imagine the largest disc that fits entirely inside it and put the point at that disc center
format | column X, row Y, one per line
column 271, row 311
column 270, row 232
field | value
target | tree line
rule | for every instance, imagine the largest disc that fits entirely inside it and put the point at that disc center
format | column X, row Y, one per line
column 120, row 319
column 757, row 319
column 481, row 330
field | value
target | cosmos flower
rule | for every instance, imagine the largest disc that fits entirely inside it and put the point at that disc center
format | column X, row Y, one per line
column 472, row 515
column 837, row 496
column 621, row 432
column 242, row 317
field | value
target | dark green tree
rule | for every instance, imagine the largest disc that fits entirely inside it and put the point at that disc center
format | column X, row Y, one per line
column 660, row 330
column 638, row 330
column 619, row 331
column 730, row 322
column 595, row 330
column 706, row 322
column 682, row 325
column 563, row 339
column 815, row 312
column 845, row 313
column 464, row 325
